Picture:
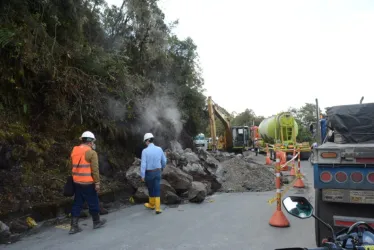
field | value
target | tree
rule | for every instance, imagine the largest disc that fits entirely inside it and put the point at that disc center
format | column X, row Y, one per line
column 69, row 66
column 247, row 118
column 304, row 117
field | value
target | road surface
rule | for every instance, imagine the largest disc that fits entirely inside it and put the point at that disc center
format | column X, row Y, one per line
column 225, row 221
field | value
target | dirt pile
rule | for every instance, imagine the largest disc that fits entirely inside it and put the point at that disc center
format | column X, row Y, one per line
column 242, row 174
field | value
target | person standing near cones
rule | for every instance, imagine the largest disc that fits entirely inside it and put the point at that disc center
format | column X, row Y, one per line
column 153, row 162
column 86, row 178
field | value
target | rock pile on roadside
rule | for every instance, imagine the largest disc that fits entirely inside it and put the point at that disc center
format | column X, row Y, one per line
column 191, row 176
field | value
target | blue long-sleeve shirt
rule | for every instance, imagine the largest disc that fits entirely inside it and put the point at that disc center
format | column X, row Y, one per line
column 152, row 158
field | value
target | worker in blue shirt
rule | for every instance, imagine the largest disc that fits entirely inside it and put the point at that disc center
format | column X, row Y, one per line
column 153, row 161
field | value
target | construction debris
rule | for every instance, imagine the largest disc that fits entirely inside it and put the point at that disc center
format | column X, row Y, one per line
column 191, row 176
column 239, row 174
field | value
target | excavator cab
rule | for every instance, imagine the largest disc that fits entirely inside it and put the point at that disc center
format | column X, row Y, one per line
column 240, row 137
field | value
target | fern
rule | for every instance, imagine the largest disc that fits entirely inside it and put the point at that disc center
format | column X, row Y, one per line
column 6, row 37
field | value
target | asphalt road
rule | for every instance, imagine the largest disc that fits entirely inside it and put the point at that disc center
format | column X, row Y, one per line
column 225, row 221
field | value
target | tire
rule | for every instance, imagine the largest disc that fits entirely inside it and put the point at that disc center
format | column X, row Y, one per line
column 326, row 210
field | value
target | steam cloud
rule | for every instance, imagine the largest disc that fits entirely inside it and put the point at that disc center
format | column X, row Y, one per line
column 159, row 115
column 116, row 109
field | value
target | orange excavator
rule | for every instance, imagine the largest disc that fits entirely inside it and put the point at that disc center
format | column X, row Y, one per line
column 235, row 138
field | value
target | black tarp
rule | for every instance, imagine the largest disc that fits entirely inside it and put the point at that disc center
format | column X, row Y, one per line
column 354, row 123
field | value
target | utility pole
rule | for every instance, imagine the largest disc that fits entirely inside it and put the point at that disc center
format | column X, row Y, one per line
column 318, row 132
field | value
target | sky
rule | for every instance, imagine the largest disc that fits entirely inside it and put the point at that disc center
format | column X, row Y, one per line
column 269, row 55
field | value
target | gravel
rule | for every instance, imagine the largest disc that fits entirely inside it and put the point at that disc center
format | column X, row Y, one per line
column 243, row 174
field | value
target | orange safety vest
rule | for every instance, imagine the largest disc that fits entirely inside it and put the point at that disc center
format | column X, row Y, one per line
column 81, row 171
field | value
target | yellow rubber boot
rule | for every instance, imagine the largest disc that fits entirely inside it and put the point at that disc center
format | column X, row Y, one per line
column 151, row 203
column 158, row 205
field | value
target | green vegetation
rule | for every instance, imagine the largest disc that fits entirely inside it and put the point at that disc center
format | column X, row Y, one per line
column 69, row 66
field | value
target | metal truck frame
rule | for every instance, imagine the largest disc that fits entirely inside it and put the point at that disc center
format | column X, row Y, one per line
column 343, row 183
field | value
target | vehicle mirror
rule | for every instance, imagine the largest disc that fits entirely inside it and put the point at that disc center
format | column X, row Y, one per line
column 298, row 206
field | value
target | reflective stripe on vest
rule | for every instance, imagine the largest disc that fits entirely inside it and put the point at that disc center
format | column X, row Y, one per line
column 81, row 171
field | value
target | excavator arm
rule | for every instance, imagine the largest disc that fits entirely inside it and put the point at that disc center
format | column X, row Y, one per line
column 213, row 111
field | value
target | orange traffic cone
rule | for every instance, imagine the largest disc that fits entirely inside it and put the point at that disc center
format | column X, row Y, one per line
column 278, row 219
column 299, row 182
column 292, row 172
column 283, row 160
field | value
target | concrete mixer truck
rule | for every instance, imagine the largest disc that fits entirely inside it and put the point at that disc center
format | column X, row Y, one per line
column 280, row 131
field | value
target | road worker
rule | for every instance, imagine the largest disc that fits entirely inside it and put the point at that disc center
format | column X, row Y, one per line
column 153, row 162
column 86, row 178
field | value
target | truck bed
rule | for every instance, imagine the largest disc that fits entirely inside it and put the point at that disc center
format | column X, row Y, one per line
column 333, row 145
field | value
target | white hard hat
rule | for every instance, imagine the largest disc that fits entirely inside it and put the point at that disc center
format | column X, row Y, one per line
column 147, row 136
column 88, row 134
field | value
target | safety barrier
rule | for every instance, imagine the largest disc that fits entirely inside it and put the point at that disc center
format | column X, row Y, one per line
column 292, row 172
column 278, row 219
column 299, row 183
column 287, row 187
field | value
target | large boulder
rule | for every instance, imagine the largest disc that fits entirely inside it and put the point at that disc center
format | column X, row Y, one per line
column 168, row 193
column 197, row 192
column 178, row 179
column 191, row 157
column 4, row 233
column 195, row 169
column 133, row 175
column 141, row 195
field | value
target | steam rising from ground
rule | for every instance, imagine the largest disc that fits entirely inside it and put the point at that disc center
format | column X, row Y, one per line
column 117, row 110
column 157, row 113
column 160, row 115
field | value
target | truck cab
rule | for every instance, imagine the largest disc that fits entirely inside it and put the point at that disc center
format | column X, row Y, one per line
column 344, row 169
column 200, row 141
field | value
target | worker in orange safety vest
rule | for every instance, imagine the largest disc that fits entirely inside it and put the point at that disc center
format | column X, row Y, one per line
column 86, row 178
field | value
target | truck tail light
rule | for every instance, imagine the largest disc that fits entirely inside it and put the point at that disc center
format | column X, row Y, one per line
column 357, row 177
column 341, row 177
column 329, row 155
column 325, row 176
column 370, row 177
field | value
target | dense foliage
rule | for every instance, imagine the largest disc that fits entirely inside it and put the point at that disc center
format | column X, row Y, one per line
column 69, row 66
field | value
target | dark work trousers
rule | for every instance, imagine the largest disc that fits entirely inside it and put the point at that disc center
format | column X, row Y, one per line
column 153, row 180
column 85, row 193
